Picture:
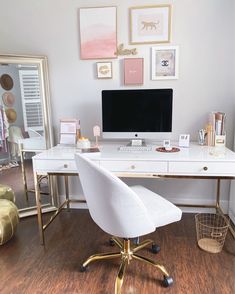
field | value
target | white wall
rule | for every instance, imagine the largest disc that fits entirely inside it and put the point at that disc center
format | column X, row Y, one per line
column 232, row 187
column 202, row 29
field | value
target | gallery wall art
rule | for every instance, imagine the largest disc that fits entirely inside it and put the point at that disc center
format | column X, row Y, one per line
column 104, row 70
column 133, row 71
column 165, row 62
column 98, row 32
column 150, row 24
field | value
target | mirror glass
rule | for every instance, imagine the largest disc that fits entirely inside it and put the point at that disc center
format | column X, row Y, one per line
column 25, row 127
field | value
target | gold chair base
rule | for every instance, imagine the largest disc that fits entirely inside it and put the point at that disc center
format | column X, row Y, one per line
column 126, row 253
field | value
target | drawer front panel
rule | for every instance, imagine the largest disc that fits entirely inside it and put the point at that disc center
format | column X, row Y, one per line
column 204, row 168
column 135, row 166
column 55, row 165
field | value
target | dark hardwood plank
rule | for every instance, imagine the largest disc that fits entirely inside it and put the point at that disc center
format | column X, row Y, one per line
column 13, row 178
column 27, row 267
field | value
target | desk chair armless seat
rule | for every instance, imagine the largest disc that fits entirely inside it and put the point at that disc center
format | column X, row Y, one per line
column 123, row 212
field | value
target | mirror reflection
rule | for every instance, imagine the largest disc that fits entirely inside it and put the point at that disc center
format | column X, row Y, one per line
column 24, row 127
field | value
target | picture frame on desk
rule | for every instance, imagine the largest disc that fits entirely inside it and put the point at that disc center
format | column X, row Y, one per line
column 68, row 131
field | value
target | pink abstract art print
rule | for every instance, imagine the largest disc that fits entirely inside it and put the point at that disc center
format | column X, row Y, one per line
column 133, row 71
column 98, row 32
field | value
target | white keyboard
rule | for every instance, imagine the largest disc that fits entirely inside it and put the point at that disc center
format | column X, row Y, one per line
column 135, row 148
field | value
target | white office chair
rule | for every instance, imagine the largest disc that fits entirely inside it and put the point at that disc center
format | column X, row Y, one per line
column 124, row 212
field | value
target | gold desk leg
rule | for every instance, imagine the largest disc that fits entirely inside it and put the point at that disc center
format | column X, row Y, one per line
column 23, row 172
column 219, row 209
column 66, row 183
column 39, row 208
column 217, row 205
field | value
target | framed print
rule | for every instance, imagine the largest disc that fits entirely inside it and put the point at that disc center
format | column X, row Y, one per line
column 104, row 70
column 98, row 32
column 165, row 62
column 133, row 71
column 150, row 24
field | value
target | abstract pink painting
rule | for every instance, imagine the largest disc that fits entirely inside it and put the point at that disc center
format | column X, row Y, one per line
column 133, row 71
column 98, row 32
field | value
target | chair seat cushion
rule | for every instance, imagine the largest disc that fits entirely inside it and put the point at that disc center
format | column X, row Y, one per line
column 9, row 219
column 160, row 210
column 7, row 193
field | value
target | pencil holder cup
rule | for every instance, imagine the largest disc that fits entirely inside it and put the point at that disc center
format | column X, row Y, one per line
column 201, row 137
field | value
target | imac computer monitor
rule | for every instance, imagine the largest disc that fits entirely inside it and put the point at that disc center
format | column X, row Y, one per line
column 143, row 114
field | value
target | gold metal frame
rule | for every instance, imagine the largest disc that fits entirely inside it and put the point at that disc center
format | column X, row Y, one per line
column 42, row 65
column 126, row 254
column 41, row 225
column 67, row 202
column 146, row 7
column 23, row 172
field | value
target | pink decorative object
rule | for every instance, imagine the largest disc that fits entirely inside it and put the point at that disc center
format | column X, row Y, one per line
column 98, row 32
column 133, row 71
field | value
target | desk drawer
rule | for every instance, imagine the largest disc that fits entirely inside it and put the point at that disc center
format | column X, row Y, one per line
column 55, row 165
column 135, row 166
column 204, row 168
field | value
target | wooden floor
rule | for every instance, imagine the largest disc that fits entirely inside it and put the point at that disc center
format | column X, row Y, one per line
column 13, row 178
column 27, row 267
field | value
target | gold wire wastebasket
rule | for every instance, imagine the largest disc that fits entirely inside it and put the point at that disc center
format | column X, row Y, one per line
column 211, row 231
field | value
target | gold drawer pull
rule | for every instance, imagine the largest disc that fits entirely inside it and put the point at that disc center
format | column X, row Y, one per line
column 205, row 168
column 132, row 167
column 65, row 165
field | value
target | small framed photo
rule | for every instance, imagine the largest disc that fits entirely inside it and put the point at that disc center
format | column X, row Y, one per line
column 150, row 24
column 104, row 70
column 165, row 61
column 133, row 71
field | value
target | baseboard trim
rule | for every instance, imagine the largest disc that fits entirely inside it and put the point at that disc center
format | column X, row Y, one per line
column 224, row 204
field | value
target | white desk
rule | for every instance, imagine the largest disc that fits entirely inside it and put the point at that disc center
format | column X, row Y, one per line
column 194, row 162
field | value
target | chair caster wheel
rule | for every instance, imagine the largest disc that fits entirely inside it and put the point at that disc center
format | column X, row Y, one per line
column 167, row 282
column 111, row 242
column 155, row 248
column 83, row 269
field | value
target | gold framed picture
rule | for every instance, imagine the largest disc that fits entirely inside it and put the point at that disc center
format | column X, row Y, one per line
column 150, row 24
column 104, row 70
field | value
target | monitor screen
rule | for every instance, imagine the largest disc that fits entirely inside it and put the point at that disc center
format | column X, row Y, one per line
column 136, row 113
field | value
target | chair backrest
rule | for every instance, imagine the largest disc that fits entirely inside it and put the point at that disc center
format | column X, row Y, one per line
column 114, row 206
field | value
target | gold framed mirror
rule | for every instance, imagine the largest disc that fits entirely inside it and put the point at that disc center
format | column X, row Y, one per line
column 25, row 107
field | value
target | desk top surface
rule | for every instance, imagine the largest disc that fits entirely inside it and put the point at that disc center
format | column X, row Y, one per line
column 109, row 151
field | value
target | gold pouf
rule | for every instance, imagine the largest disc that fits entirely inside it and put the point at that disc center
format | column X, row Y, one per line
column 9, row 218
column 7, row 193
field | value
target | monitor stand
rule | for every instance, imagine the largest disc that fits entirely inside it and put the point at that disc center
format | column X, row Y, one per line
column 137, row 142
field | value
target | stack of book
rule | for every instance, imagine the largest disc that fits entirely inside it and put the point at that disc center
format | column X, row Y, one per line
column 216, row 129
